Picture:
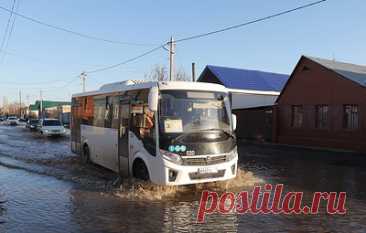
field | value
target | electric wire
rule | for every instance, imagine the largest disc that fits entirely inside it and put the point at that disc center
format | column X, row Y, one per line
column 7, row 27
column 126, row 61
column 10, row 33
column 211, row 33
column 249, row 22
column 162, row 46
column 59, row 28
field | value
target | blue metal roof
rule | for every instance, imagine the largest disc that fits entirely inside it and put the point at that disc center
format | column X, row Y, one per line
column 248, row 79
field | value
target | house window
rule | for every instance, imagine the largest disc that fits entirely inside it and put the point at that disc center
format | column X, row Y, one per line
column 321, row 118
column 297, row 116
column 350, row 116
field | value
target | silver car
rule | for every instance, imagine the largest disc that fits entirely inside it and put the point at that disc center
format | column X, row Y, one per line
column 51, row 127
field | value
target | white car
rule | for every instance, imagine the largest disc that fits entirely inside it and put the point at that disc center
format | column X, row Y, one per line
column 12, row 120
column 51, row 127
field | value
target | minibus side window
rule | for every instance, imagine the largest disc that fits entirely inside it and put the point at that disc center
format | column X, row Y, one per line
column 99, row 111
column 143, row 121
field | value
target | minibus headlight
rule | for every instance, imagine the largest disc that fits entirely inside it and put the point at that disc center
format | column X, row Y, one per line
column 232, row 155
column 175, row 158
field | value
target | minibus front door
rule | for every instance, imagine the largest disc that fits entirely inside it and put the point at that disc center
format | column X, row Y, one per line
column 124, row 125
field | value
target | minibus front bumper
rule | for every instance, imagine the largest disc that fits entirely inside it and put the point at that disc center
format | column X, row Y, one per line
column 175, row 174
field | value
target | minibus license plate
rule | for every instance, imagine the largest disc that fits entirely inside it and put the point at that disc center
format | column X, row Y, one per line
column 206, row 170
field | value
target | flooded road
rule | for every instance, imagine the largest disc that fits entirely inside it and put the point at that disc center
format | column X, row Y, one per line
column 45, row 189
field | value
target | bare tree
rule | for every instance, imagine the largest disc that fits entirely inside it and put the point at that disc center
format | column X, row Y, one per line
column 158, row 73
column 181, row 75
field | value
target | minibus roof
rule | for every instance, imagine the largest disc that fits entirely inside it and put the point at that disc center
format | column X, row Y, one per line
column 163, row 85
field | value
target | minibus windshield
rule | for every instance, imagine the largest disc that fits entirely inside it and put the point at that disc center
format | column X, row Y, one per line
column 193, row 111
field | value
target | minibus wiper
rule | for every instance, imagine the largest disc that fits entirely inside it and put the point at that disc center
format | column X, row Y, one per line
column 179, row 137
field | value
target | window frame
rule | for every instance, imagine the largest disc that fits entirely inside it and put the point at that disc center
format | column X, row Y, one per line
column 354, row 123
column 297, row 123
column 322, row 116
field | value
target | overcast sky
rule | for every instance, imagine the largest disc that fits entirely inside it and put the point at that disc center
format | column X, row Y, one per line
column 37, row 54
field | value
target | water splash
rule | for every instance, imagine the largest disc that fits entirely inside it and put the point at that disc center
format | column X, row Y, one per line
column 135, row 189
column 138, row 190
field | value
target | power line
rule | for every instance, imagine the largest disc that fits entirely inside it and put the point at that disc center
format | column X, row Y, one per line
column 250, row 22
column 162, row 46
column 7, row 27
column 31, row 84
column 71, row 31
column 73, row 79
column 12, row 25
column 11, row 32
column 210, row 33
column 51, row 88
column 43, row 61
column 126, row 61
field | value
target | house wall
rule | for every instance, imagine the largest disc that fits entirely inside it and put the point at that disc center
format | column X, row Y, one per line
column 253, row 111
column 254, row 123
column 314, row 86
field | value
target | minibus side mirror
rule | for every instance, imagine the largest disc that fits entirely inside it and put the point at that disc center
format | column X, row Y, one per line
column 153, row 99
column 233, row 116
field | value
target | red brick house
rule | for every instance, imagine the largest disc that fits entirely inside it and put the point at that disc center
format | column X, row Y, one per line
column 323, row 104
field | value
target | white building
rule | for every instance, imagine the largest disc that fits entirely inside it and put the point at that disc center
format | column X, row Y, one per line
column 253, row 94
column 250, row 88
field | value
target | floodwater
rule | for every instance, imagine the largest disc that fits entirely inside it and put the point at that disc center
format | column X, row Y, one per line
column 44, row 189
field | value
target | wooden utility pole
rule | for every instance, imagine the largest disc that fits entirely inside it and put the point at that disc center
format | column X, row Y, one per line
column 171, row 59
column 193, row 72
column 20, row 103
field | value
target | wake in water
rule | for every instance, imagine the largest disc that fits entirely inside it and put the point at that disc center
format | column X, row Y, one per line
column 138, row 190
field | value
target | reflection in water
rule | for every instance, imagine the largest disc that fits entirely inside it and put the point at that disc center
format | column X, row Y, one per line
column 110, row 214
column 35, row 203
column 2, row 209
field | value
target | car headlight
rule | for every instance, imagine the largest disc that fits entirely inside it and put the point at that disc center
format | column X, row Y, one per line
column 175, row 158
column 46, row 130
column 232, row 155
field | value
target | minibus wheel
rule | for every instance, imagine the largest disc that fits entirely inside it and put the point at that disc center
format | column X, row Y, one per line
column 140, row 170
column 85, row 156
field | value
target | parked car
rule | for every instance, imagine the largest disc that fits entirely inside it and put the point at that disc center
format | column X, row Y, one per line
column 2, row 118
column 12, row 120
column 32, row 124
column 51, row 127
column 22, row 120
